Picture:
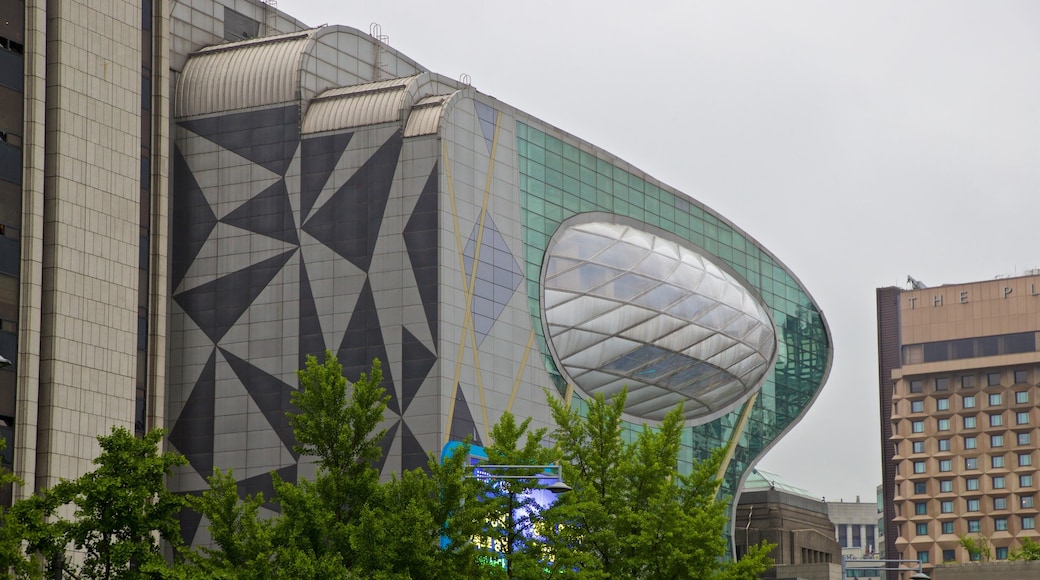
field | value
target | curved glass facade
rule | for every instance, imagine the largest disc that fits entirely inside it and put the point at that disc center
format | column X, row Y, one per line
column 559, row 180
column 627, row 308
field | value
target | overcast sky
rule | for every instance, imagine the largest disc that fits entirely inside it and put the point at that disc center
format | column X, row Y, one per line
column 860, row 142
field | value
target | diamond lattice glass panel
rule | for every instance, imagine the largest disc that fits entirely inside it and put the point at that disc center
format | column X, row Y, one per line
column 627, row 307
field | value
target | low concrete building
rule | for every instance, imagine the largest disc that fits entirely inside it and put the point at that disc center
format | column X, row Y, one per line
column 987, row 571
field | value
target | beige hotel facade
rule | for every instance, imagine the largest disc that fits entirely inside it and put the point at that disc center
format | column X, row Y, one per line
column 958, row 373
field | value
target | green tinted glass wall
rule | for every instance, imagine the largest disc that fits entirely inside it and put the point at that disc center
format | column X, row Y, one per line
column 559, row 181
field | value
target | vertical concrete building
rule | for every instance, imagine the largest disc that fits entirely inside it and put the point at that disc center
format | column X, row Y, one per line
column 959, row 370
column 325, row 191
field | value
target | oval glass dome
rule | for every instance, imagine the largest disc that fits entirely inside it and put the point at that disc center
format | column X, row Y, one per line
column 626, row 308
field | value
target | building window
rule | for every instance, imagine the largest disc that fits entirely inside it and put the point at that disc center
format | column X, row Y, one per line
column 917, row 406
column 998, row 482
column 947, row 527
column 942, row 384
column 946, row 486
column 1028, row 523
column 942, row 404
column 996, row 420
column 1025, row 459
column 1002, row 551
column 971, row 463
column 994, row 399
column 974, row 526
column 946, row 506
column 969, row 422
column 943, row 424
column 968, row 401
column 920, row 467
column 1021, row 376
column 973, row 505
column 1023, row 438
column 996, row 440
column 1022, row 418
column 923, row 557
column 950, row 555
column 997, row 461
column 971, row 484
column 921, row 508
column 971, row 443
column 945, row 465
column 944, row 445
column 1000, row 524
column 920, row 487
column 1026, row 501
column 967, row 382
column 922, row 529
column 993, row 379
column 1022, row 397
column 1025, row 481
column 1000, row 503
column 917, row 386
column 918, row 446
column 917, row 426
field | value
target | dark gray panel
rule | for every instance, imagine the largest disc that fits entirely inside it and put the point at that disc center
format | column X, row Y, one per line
column 462, row 423
column 264, row 483
column 312, row 340
column 349, row 221
column 267, row 137
column 193, row 220
column 189, row 520
column 420, row 239
column 318, row 157
column 216, row 305
column 270, row 394
column 488, row 118
column 384, row 445
column 362, row 342
column 192, row 434
column 269, row 214
column 413, row 456
column 417, row 360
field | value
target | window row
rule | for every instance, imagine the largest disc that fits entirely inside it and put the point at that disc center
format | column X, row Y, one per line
column 972, row 442
column 970, row 422
column 969, row 401
column 990, row 379
column 946, row 506
column 974, row 525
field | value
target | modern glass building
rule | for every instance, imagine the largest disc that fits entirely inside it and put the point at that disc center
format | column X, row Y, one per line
column 328, row 192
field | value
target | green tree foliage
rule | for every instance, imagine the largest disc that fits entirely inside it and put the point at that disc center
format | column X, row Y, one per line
column 977, row 546
column 1030, row 550
column 14, row 563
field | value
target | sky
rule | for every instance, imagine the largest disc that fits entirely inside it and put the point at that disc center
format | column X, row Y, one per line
column 860, row 142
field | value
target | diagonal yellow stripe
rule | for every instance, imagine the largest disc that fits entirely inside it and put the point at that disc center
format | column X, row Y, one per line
column 520, row 374
column 745, row 414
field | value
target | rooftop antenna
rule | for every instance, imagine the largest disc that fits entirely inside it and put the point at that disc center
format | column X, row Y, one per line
column 914, row 283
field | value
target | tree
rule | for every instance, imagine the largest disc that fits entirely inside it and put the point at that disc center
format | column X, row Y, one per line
column 121, row 511
column 14, row 563
column 1030, row 550
column 631, row 513
column 977, row 547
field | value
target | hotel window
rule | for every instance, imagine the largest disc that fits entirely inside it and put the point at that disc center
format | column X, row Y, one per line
column 942, row 404
column 974, row 526
column 1025, row 459
column 942, row 384
column 917, row 406
column 1021, row 377
column 1026, row 501
column 1023, row 438
column 998, row 482
column 973, row 505
column 993, row 379
column 917, row 426
column 946, row 506
column 1002, row 551
column 917, row 386
column 946, row 485
column 997, row 461
column 1025, row 481
column 1022, row 418
column 967, row 382
column 1022, row 397
column 921, row 508
column 918, row 446
column 1000, row 524
column 1028, row 523
column 945, row 465
column 923, row 557
column 971, row 484
column 944, row 445
column 969, row 422
column 943, row 424
column 920, row 487
column 947, row 527
column 1000, row 503
column 920, row 467
column 996, row 440
column 996, row 420
column 994, row 399
column 968, row 401
column 971, row 443
column 950, row 555
column 971, row 463
column 922, row 529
